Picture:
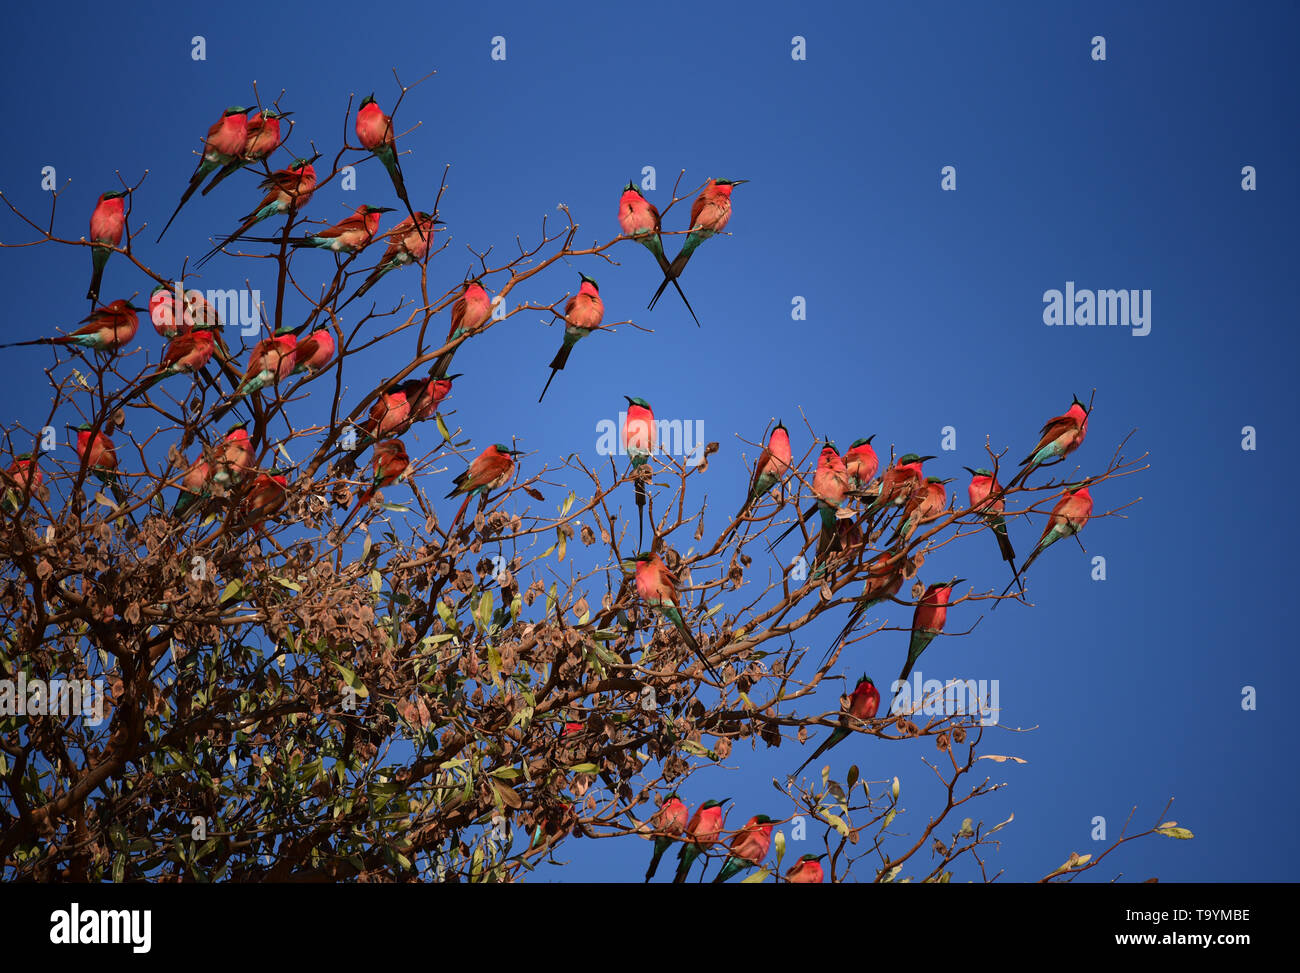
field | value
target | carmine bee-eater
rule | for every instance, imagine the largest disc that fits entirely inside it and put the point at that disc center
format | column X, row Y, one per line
column 1068, row 517
column 314, row 353
column 350, row 235
column 265, row 498
column 668, row 822
column 709, row 215
column 21, row 479
column 639, row 441
column 388, row 465
column 582, row 316
column 234, row 456
column 806, row 871
column 928, row 621
column 389, row 413
column 375, row 130
column 657, row 587
column 489, row 469
column 195, row 486
column 224, row 144
column 425, row 395
column 162, row 311
column 470, row 311
column 264, row 137
column 107, row 329
column 928, row 501
column 99, row 456
column 185, row 354
column 107, row 223
column 748, row 848
column 899, row 482
column 408, row 242
column 271, row 362
column 861, row 462
column 1058, row 438
column 701, row 834
column 773, row 464
column 864, row 702
column 884, row 580
column 639, row 219
column 287, row 190
column 830, row 486
column 986, row 501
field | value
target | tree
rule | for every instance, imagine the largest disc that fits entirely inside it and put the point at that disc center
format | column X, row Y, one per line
column 295, row 693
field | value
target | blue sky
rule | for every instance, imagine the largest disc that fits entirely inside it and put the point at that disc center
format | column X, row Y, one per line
column 924, row 310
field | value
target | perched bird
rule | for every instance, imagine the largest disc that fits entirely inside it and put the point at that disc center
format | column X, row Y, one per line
column 927, row 502
column 899, row 482
column 638, row 219
column 773, row 464
column 195, row 486
column 470, row 311
column 489, row 469
column 314, row 353
column 162, row 311
column 234, row 456
column 709, row 215
column 388, row 465
column 884, row 579
column 928, row 621
column 861, row 463
column 424, row 395
column 657, row 587
column 582, row 316
column 21, row 479
column 99, row 456
column 271, row 362
column 225, row 143
column 806, row 871
column 1068, row 517
column 1058, row 438
column 265, row 498
column 388, row 414
column 408, row 242
column 701, row 834
column 375, row 130
column 185, row 354
column 106, row 329
column 986, row 502
column 287, row 191
column 263, row 138
column 748, row 848
column 668, row 823
column 350, row 235
column 107, row 223
column 864, row 701
column 639, row 441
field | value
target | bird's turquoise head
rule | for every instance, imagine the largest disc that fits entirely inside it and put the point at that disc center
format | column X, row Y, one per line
column 864, row 680
column 830, row 444
column 935, row 479
column 378, row 209
column 862, row 442
column 762, row 819
column 812, row 858
column 115, row 194
column 237, row 427
column 634, row 400
column 632, row 187
column 503, row 448
column 272, row 113
column 1076, row 401
column 910, row 458
column 729, row 182
column 284, row 330
column 82, row 427
column 300, row 164
column 589, row 280
column 978, row 472
column 368, row 100
column 715, row 803
column 234, row 110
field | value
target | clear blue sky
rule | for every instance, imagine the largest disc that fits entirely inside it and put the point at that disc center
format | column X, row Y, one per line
column 924, row 309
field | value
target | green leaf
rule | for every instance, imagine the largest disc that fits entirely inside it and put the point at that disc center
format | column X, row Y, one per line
column 506, row 773
column 1172, row 832
column 587, row 768
column 780, row 847
column 837, row 823
column 758, row 876
column 442, row 427
column 232, row 589
column 284, row 583
column 376, row 581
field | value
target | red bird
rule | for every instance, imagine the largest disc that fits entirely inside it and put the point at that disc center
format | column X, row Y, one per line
column 1060, row 437
column 806, row 871
column 864, row 703
column 1071, row 513
column 107, row 223
column 315, row 353
column 388, row 465
column 107, row 329
column 489, row 469
column 772, row 466
column 861, row 462
column 265, row 498
column 701, row 834
column 387, row 415
column 425, row 395
column 748, row 848
column 668, row 822
column 20, row 479
column 375, row 130
column 709, row 216
column 469, row 313
column 99, row 456
column 225, row 143
column 582, row 316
